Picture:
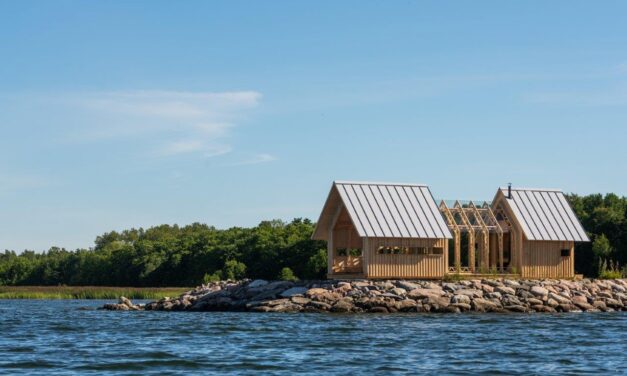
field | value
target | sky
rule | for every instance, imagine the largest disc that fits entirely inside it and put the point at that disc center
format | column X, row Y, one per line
column 119, row 114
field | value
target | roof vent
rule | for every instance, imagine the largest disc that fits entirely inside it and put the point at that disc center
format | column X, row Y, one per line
column 509, row 191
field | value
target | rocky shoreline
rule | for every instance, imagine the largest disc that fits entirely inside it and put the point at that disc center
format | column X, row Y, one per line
column 485, row 295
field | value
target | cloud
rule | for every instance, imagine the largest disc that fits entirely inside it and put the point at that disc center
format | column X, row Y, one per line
column 591, row 98
column 257, row 159
column 169, row 123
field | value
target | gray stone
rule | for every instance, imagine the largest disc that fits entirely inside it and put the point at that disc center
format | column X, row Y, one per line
column 293, row 291
column 257, row 283
column 559, row 298
column 505, row 290
column 424, row 293
column 398, row 291
column 482, row 305
column 407, row 286
column 465, row 299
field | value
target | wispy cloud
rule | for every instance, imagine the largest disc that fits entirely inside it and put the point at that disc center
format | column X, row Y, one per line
column 168, row 122
column 591, row 98
column 257, row 159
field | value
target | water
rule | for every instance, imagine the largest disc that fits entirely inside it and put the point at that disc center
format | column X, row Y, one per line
column 64, row 337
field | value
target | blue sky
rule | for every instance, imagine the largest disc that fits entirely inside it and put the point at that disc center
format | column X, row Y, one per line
column 126, row 114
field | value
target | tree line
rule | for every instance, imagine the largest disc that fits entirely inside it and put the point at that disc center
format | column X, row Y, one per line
column 175, row 256
column 169, row 255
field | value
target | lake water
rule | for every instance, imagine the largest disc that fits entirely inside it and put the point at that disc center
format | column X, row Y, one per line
column 71, row 337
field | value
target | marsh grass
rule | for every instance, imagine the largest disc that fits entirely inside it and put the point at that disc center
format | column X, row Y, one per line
column 88, row 292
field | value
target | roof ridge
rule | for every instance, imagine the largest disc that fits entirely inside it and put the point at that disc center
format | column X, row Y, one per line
column 533, row 189
column 378, row 183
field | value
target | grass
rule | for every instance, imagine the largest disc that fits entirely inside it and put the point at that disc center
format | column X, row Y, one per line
column 88, row 292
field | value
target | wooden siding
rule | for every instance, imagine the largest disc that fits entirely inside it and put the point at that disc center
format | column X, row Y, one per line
column 543, row 259
column 405, row 266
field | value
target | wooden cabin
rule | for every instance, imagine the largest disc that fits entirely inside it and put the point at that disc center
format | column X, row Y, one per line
column 383, row 231
column 542, row 231
column 387, row 230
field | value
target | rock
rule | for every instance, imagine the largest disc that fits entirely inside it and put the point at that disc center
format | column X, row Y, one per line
column 320, row 305
column 439, row 302
column 462, row 306
column 378, row 310
column 559, row 298
column 567, row 307
column 473, row 293
column 407, row 286
column 584, row 306
column 257, row 283
column 579, row 299
column 424, row 293
column 315, row 291
column 505, row 290
column 516, row 308
column 487, row 288
column 261, row 309
column 482, row 305
column 614, row 303
column 398, row 291
column 342, row 306
column 539, row 291
column 534, row 301
column 552, row 303
column 293, row 291
column 464, row 299
column 543, row 308
column 125, row 301
column 495, row 295
column 511, row 283
column 599, row 304
column 406, row 305
column 300, row 300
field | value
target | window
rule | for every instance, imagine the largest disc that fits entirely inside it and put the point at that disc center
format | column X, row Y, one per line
column 348, row 252
column 391, row 250
column 438, row 251
column 565, row 252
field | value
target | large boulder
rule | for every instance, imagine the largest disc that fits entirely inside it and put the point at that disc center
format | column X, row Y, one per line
column 505, row 290
column 539, row 291
column 483, row 305
column 559, row 298
column 425, row 293
column 406, row 285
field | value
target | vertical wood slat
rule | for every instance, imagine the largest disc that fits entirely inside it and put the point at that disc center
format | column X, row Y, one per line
column 406, row 266
column 543, row 259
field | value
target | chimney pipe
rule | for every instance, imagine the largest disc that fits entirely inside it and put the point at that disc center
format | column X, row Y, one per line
column 509, row 190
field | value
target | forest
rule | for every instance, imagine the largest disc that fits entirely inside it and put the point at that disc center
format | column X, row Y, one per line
column 171, row 255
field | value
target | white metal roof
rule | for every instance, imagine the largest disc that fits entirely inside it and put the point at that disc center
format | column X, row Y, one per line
column 545, row 215
column 388, row 210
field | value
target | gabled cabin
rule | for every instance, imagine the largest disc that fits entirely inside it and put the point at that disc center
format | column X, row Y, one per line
column 387, row 230
column 542, row 231
column 383, row 231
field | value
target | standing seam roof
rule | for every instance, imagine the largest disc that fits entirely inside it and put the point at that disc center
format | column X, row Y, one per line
column 393, row 210
column 545, row 215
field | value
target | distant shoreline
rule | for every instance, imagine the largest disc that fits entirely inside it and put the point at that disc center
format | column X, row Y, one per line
column 87, row 292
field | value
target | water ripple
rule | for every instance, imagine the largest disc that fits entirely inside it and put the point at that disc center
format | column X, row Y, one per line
column 62, row 337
